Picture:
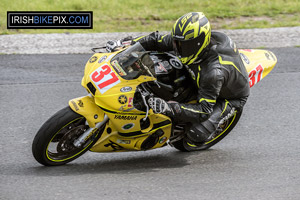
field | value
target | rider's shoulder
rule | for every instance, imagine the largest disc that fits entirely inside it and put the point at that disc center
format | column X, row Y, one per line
column 219, row 37
column 222, row 43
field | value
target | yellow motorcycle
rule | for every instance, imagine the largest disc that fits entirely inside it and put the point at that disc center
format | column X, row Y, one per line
column 115, row 116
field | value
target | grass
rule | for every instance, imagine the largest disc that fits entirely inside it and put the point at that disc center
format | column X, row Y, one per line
column 151, row 15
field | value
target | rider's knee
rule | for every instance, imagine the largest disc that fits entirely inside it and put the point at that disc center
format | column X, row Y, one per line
column 198, row 133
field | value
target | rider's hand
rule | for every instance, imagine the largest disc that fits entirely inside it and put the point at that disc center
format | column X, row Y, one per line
column 112, row 45
column 160, row 106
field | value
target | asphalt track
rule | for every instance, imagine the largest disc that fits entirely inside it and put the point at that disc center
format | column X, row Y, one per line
column 258, row 160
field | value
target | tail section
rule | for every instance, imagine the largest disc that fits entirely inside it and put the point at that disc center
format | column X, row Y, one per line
column 259, row 63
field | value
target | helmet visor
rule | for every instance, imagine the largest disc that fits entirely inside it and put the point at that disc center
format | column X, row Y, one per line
column 186, row 48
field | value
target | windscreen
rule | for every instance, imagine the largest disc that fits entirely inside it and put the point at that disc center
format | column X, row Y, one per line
column 133, row 62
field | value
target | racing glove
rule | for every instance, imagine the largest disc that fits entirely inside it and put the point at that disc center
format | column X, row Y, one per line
column 161, row 106
column 113, row 45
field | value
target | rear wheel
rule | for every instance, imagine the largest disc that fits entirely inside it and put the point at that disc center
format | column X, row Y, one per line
column 223, row 130
column 53, row 143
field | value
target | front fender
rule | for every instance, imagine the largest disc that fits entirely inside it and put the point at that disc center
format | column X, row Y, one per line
column 86, row 107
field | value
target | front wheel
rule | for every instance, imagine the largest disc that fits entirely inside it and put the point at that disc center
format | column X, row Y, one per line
column 223, row 130
column 53, row 143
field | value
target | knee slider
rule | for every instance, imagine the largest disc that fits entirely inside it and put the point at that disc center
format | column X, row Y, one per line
column 197, row 133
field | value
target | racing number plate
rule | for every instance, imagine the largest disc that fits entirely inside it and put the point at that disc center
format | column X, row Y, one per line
column 255, row 75
column 104, row 78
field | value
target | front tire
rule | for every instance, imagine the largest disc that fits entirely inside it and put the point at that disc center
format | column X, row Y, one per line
column 227, row 126
column 53, row 143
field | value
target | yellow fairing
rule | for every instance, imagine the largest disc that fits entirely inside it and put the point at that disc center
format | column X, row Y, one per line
column 86, row 107
column 114, row 97
column 133, row 139
column 116, row 101
column 259, row 63
column 126, row 128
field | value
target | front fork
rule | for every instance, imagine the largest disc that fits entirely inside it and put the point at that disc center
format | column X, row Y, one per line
column 94, row 116
column 88, row 133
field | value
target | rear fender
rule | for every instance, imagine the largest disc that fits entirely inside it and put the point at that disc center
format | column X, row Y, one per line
column 86, row 107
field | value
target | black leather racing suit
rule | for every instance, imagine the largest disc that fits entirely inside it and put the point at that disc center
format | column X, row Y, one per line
column 221, row 79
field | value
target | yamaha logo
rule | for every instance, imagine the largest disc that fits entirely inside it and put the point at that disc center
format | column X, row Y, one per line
column 122, row 99
column 93, row 59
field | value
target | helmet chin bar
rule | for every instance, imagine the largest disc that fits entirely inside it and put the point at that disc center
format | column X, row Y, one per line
column 185, row 60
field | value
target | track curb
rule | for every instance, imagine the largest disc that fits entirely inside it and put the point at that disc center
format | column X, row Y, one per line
column 79, row 43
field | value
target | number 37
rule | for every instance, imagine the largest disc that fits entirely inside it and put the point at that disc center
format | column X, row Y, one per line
column 255, row 75
column 104, row 78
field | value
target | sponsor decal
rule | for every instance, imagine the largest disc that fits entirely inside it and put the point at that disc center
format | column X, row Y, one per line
column 162, row 140
column 272, row 56
column 125, row 117
column 130, row 102
column 102, row 59
column 129, row 109
column 104, row 78
column 91, row 133
column 80, row 103
column 122, row 99
column 128, row 126
column 123, row 141
column 245, row 58
column 93, row 59
column 114, row 146
column 267, row 56
column 122, row 108
column 126, row 89
column 118, row 68
column 75, row 105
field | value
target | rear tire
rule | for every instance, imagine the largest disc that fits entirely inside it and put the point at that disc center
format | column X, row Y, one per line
column 228, row 125
column 53, row 143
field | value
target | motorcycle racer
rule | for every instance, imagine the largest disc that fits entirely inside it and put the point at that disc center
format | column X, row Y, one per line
column 215, row 68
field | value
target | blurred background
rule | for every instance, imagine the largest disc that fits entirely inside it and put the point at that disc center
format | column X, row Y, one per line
column 151, row 15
